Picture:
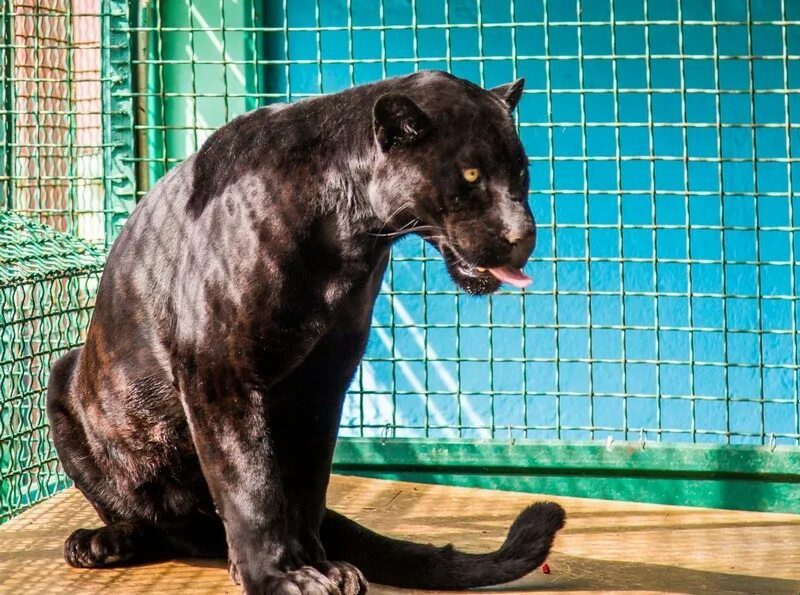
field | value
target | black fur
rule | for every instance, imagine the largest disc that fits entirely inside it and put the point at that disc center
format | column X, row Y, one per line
column 201, row 415
column 415, row 566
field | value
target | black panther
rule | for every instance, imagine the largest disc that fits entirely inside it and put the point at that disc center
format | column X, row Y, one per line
column 200, row 416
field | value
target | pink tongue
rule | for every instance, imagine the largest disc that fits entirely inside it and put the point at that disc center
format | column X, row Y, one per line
column 511, row 275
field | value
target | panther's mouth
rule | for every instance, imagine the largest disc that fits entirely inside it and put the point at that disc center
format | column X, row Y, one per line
column 480, row 280
column 508, row 274
column 505, row 274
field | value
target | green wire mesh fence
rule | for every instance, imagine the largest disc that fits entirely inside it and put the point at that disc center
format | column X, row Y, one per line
column 51, row 107
column 59, row 138
column 47, row 285
column 56, row 167
column 661, row 141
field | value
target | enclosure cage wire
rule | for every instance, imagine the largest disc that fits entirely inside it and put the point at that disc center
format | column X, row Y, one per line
column 48, row 281
column 660, row 144
column 53, row 169
column 52, row 133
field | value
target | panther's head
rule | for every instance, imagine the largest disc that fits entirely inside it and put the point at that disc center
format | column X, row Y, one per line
column 452, row 169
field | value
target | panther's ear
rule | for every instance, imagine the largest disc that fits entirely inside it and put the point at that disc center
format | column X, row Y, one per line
column 397, row 120
column 510, row 93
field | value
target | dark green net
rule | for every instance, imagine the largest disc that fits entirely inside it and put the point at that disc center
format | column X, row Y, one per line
column 48, row 280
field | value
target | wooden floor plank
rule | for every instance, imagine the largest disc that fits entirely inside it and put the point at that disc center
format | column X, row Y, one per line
column 606, row 546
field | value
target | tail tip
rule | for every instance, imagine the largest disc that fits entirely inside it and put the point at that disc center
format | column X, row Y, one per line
column 547, row 515
column 537, row 524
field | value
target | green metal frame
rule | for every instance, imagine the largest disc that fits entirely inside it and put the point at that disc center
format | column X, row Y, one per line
column 118, row 116
column 7, row 107
column 714, row 476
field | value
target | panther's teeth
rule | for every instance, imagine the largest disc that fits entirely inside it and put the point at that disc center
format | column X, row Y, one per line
column 481, row 269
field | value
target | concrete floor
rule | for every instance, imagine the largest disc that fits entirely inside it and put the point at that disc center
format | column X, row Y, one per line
column 605, row 547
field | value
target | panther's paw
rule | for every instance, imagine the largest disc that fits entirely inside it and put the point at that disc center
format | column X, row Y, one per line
column 346, row 576
column 306, row 580
column 98, row 548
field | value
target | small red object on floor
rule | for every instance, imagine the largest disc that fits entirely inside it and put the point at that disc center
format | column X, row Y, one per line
column 545, row 568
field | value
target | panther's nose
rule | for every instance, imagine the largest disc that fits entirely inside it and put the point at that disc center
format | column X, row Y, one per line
column 516, row 237
column 522, row 243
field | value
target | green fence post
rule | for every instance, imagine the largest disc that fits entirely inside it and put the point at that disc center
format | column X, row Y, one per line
column 7, row 103
column 118, row 171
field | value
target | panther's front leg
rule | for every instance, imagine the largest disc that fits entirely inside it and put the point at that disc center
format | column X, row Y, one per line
column 305, row 415
column 235, row 446
column 306, row 423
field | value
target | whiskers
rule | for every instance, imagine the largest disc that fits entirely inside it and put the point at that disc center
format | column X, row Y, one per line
column 396, row 212
column 433, row 234
column 458, row 260
column 406, row 228
column 411, row 226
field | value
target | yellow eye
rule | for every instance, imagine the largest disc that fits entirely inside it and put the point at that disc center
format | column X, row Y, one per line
column 471, row 174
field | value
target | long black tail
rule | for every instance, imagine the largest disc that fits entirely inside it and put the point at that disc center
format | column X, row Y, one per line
column 412, row 565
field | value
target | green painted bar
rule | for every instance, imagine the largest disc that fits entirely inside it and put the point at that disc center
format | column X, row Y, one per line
column 118, row 172
column 7, row 105
column 150, row 117
column 732, row 477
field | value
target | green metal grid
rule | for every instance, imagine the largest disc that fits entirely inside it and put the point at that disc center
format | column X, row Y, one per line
column 61, row 141
column 61, row 170
column 47, row 284
column 167, row 74
column 208, row 61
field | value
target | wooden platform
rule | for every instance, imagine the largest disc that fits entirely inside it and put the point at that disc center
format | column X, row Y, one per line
column 606, row 546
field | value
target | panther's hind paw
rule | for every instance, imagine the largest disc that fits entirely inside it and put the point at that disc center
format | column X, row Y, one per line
column 98, row 548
